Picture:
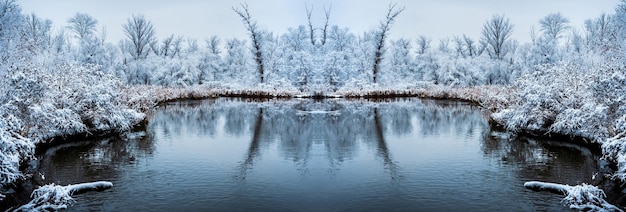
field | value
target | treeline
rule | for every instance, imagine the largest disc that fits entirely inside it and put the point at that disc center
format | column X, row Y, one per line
column 306, row 57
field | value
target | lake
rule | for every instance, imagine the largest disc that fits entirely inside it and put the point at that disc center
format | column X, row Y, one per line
column 231, row 154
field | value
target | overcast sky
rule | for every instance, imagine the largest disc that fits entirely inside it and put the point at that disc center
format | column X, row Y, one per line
column 203, row 18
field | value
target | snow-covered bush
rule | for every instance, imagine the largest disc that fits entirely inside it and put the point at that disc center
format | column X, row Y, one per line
column 77, row 99
column 554, row 98
column 42, row 99
column 49, row 198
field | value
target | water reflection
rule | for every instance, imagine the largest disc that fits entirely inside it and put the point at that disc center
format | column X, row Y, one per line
column 242, row 154
column 93, row 159
column 543, row 159
column 339, row 128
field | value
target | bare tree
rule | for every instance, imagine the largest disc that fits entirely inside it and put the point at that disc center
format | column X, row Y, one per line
column 177, row 46
column 192, row 45
column 255, row 35
column 141, row 34
column 496, row 32
column 381, row 35
column 553, row 25
column 314, row 41
column 423, row 44
column 213, row 44
column 444, row 45
column 36, row 32
column 170, row 47
column 601, row 33
column 82, row 25
column 309, row 12
column 325, row 29
column 103, row 34
column 533, row 35
column 470, row 46
column 459, row 46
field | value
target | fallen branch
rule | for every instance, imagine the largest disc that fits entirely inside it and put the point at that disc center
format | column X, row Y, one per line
column 550, row 187
column 581, row 197
column 86, row 187
column 55, row 197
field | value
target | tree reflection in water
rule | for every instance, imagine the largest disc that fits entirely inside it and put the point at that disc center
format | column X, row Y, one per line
column 339, row 126
column 230, row 148
column 298, row 128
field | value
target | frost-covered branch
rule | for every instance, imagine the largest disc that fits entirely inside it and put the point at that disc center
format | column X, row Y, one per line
column 381, row 36
column 496, row 33
column 56, row 197
column 255, row 35
column 581, row 197
column 141, row 34
column 325, row 29
column 309, row 12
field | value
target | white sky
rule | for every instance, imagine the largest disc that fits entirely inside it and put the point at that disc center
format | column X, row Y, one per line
column 203, row 18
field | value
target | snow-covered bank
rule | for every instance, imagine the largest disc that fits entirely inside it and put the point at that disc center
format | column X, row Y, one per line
column 581, row 197
column 46, row 99
column 572, row 99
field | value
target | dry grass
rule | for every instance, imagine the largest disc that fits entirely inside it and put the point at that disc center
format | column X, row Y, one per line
column 144, row 98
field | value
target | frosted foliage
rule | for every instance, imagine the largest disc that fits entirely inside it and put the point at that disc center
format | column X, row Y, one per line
column 49, row 198
column 10, row 18
column 313, row 68
column 13, row 149
column 53, row 197
column 566, row 106
column 588, row 198
column 37, row 103
column 83, row 98
column 582, row 197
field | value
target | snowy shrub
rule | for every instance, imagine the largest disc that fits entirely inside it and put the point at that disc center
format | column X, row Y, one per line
column 588, row 198
column 49, row 198
column 53, row 197
column 554, row 98
column 582, row 197
column 43, row 100
column 14, row 148
column 589, row 121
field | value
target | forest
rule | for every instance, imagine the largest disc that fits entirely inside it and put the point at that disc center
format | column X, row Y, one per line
column 70, row 81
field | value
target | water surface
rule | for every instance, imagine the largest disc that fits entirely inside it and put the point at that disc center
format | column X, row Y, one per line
column 306, row 155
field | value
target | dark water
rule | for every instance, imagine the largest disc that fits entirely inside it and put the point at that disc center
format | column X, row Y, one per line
column 305, row 155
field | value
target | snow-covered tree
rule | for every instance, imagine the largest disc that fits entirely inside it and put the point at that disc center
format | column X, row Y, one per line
column 399, row 62
column 140, row 33
column 554, row 25
column 211, row 66
column 10, row 22
column 82, row 25
column 36, row 33
column 496, row 33
column 380, row 38
column 339, row 58
column 256, row 35
column 601, row 34
column 423, row 44
column 170, row 47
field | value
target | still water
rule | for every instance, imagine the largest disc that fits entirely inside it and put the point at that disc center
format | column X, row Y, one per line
column 309, row 155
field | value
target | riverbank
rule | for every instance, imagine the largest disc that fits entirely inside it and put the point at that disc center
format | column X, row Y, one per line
column 143, row 99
